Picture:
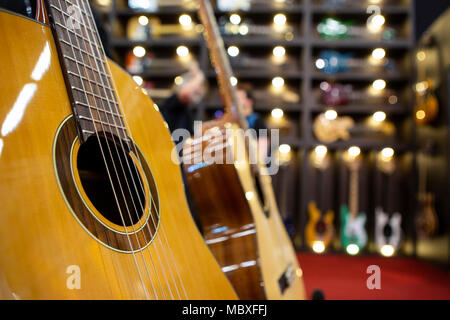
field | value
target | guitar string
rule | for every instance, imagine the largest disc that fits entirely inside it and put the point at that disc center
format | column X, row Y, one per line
column 91, row 23
column 162, row 226
column 117, row 152
column 103, row 155
column 153, row 203
column 126, row 159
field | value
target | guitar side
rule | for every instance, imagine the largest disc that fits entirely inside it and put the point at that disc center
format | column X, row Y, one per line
column 353, row 229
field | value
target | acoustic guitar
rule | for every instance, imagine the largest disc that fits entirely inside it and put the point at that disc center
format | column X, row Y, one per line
column 234, row 199
column 319, row 231
column 89, row 210
column 353, row 222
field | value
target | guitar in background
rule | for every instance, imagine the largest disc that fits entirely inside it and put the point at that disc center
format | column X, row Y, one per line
column 337, row 94
column 336, row 29
column 427, row 104
column 426, row 219
column 332, row 128
column 353, row 232
column 332, row 62
column 319, row 231
column 388, row 232
column 234, row 199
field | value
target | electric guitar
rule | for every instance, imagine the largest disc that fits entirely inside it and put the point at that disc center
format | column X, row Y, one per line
column 387, row 226
column 234, row 198
column 426, row 219
column 155, row 29
column 336, row 62
column 353, row 222
column 427, row 105
column 335, row 29
column 92, row 205
column 320, row 230
column 337, row 94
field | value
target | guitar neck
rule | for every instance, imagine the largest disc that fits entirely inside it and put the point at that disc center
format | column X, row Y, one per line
column 220, row 62
column 353, row 192
column 83, row 62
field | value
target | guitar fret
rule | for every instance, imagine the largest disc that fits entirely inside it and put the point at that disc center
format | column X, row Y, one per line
column 101, row 122
column 98, row 109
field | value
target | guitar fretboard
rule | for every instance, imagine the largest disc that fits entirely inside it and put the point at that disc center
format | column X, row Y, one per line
column 84, row 66
column 354, row 186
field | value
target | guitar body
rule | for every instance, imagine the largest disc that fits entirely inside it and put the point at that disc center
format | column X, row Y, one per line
column 387, row 229
column 247, row 237
column 319, row 228
column 353, row 228
column 46, row 230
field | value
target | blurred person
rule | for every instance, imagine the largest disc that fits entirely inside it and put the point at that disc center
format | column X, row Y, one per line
column 178, row 109
column 254, row 120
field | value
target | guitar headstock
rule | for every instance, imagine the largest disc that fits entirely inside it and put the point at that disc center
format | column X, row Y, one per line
column 328, row 130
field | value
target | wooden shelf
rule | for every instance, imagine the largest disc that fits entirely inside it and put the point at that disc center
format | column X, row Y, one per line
column 385, row 9
column 163, row 42
column 361, row 43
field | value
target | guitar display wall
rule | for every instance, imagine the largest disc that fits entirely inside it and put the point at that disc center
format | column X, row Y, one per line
column 432, row 141
column 303, row 43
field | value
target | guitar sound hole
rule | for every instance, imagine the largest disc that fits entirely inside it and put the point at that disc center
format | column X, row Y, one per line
column 387, row 230
column 98, row 169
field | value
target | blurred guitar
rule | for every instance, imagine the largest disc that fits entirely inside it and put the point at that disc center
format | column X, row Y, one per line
column 353, row 230
column 387, row 226
column 336, row 94
column 343, row 127
column 335, row 29
column 319, row 231
column 426, row 219
column 335, row 62
column 427, row 105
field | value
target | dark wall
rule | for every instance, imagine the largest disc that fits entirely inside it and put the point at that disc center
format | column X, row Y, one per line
column 427, row 11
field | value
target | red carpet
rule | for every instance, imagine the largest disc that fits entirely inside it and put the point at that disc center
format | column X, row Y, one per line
column 345, row 277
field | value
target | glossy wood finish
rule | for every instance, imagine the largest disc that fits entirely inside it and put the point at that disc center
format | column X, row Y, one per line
column 39, row 236
column 237, row 229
